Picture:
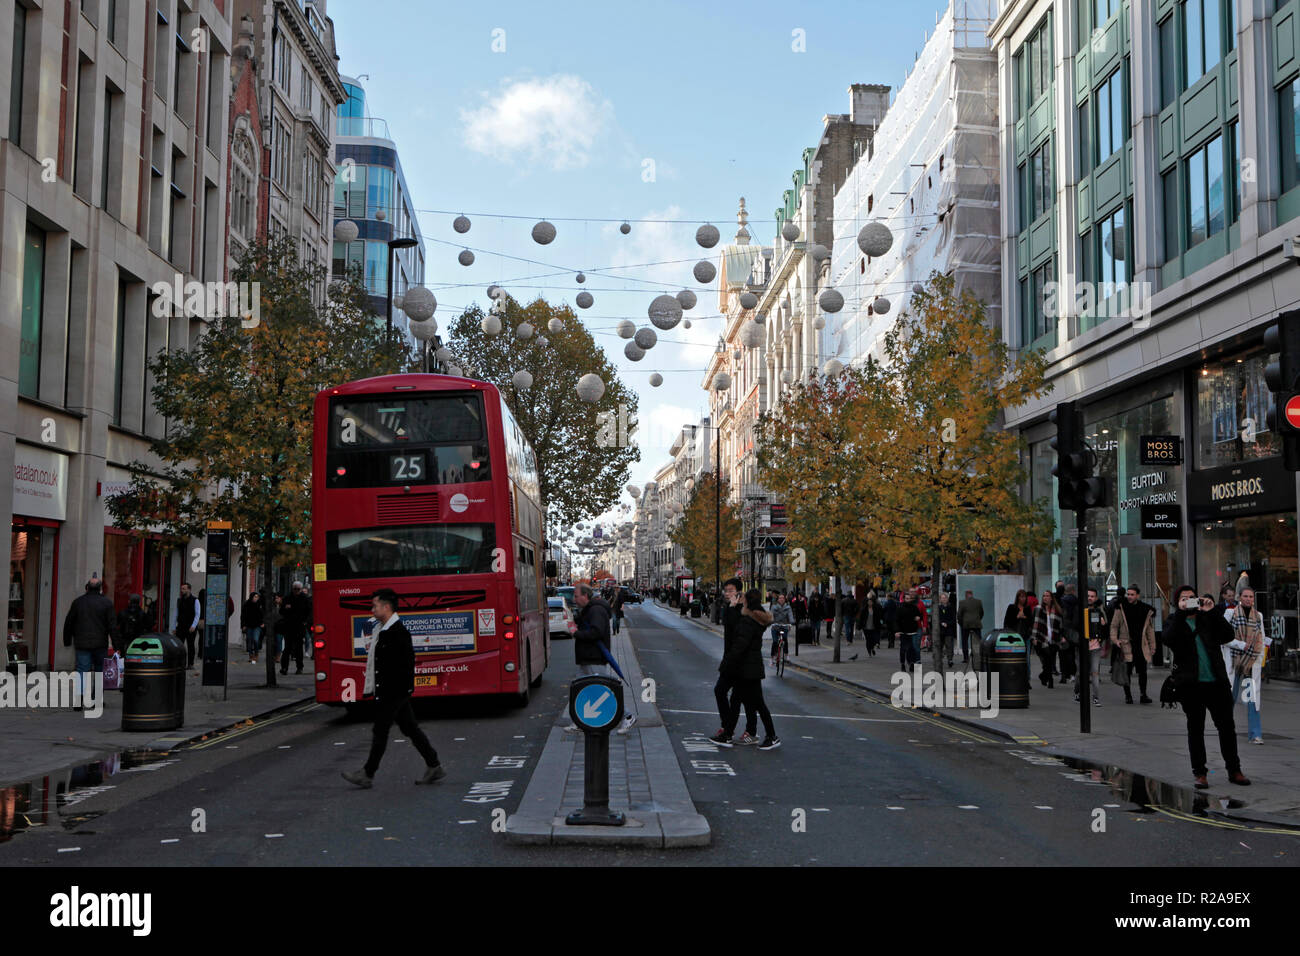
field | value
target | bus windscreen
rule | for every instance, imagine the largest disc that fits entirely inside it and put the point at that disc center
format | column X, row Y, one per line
column 427, row 549
column 370, row 421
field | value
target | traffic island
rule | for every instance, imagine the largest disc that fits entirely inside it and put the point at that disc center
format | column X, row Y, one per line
column 645, row 782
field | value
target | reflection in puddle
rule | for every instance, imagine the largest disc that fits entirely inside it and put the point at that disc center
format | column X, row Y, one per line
column 50, row 799
column 1148, row 793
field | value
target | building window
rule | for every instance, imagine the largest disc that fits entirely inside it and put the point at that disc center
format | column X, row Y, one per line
column 1205, row 210
column 1169, row 187
column 1041, row 184
column 181, row 49
column 242, row 193
column 1168, row 62
column 282, row 61
column 16, row 75
column 1112, row 255
column 1038, row 61
column 1202, row 40
column 281, row 153
column 1085, row 136
column 112, row 21
column 1228, row 394
column 29, row 366
column 120, row 348
column 1110, row 116
column 1234, row 166
column 1038, row 323
column 1288, row 112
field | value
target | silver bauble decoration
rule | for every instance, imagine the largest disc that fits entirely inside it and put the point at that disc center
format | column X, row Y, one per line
column 625, row 228
column 466, row 258
column 665, row 312
column 760, row 317
column 721, row 382
column 656, row 380
column 380, row 215
column 423, row 331
column 634, row 491
column 345, row 230
column 495, row 291
column 626, row 329
column 524, row 332
column 555, row 326
column 443, row 354
column 646, row 338
column 686, row 299
column 491, row 325
column 543, row 233
column 819, row 252
column 748, row 300
column 419, row 303
column 397, row 301
column 590, row 387
column 790, row 232
column 875, row 239
column 634, row 351
column 751, row 335
column 584, row 300
column 686, row 324
column 522, row 379
column 456, row 371
column 880, row 305
column 819, row 322
column 833, row 368
column 704, row 271
column 460, row 223
column 581, row 278
column 543, row 341
column 830, row 300
column 787, row 377
column 707, row 236
column 690, row 483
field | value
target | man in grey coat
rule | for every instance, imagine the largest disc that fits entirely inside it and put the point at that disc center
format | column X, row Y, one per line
column 970, row 616
column 89, row 627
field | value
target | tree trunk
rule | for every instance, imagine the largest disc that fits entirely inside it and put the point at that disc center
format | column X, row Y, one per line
column 269, row 615
column 936, row 590
column 835, row 617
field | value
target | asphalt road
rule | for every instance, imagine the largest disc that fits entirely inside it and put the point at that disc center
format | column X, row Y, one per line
column 856, row 782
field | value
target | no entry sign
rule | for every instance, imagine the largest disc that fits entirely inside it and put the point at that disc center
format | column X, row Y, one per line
column 1291, row 411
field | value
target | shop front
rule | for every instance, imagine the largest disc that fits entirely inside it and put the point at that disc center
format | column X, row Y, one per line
column 137, row 563
column 40, row 490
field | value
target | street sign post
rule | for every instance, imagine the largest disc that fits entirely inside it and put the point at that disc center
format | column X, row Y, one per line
column 596, row 706
column 216, row 593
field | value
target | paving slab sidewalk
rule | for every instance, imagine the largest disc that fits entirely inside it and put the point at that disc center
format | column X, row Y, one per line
column 38, row 741
column 645, row 780
column 1141, row 739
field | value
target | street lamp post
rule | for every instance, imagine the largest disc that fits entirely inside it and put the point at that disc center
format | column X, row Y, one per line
column 393, row 245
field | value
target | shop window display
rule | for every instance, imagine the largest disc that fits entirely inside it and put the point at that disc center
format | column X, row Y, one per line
column 1232, row 402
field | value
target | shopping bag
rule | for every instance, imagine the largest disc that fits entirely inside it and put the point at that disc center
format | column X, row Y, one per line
column 113, row 671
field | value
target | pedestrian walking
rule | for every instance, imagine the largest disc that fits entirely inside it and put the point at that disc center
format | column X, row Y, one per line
column 745, row 664
column 1098, row 641
column 131, row 621
column 90, row 628
column 187, row 620
column 828, row 614
column 593, row 632
column 799, row 607
column 616, row 610
column 252, row 621
column 907, row 629
column 1134, row 622
column 869, row 621
column 970, row 617
column 849, row 614
column 1047, row 636
column 782, row 618
column 724, row 690
column 1019, row 616
column 888, row 616
column 947, row 627
column 1068, row 653
column 815, row 615
column 1195, row 634
column 1246, row 658
column 390, row 677
column 295, row 616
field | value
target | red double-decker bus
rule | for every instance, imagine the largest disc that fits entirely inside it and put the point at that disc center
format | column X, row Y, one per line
column 425, row 484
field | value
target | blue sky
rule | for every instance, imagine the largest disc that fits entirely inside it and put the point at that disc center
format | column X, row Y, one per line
column 612, row 111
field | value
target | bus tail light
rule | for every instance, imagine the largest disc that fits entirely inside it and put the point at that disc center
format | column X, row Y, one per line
column 319, row 645
column 508, row 619
column 318, row 628
column 510, row 635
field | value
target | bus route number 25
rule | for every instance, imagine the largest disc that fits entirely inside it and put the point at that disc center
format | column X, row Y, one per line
column 406, row 468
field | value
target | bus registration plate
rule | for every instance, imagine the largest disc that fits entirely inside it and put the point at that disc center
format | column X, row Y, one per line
column 426, row 680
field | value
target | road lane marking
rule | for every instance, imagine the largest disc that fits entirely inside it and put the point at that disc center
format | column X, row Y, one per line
column 172, row 840
column 273, row 836
column 861, row 720
column 69, row 849
column 967, row 806
column 373, row 829
column 893, row 808
column 1042, row 808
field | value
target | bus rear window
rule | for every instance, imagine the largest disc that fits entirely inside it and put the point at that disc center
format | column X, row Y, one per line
column 426, row 549
column 368, row 421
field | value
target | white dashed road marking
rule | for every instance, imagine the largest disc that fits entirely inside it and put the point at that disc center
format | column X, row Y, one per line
column 274, row 836
column 373, row 829
column 172, row 840
column 69, row 849
column 1042, row 808
column 967, row 806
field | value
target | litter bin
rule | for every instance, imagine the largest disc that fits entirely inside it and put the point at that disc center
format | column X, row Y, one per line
column 1006, row 654
column 153, row 685
column 695, row 609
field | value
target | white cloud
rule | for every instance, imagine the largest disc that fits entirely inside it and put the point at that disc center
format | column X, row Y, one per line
column 553, row 121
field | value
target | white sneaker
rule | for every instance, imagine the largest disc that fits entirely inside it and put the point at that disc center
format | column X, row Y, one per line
column 628, row 721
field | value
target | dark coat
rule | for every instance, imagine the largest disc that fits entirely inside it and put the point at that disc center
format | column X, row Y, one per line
column 394, row 663
column 252, row 614
column 815, row 606
column 907, row 619
column 1179, row 638
column 90, row 622
column 185, row 613
column 799, row 607
column 130, row 624
column 296, row 612
column 849, row 607
column 593, row 630
column 743, row 659
column 948, row 620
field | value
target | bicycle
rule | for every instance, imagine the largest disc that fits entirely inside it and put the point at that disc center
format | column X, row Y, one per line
column 782, row 648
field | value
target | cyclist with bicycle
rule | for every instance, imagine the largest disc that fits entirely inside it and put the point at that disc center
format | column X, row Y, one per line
column 782, row 619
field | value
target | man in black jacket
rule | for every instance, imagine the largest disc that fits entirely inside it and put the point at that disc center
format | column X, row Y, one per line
column 390, row 676
column 297, row 614
column 187, row 620
column 724, row 691
column 591, row 635
column 89, row 626
column 1196, row 633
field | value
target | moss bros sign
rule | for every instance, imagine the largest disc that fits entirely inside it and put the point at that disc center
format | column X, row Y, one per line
column 1248, row 488
column 1161, row 450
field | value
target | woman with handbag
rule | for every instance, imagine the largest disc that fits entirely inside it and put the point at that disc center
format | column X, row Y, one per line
column 1245, row 662
column 1047, row 634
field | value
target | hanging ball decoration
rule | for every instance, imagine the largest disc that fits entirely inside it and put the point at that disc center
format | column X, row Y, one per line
column 686, row 324
column 634, row 491
column 690, row 483
column 466, row 258
column 830, row 300
column 748, row 300
column 634, row 351
column 456, row 370
column 380, row 215
column 625, row 228
column 707, row 235
column 461, row 223
column 790, row 232
column 760, row 317
column 787, row 377
column 819, row 322
column 590, row 387
column 880, row 305
column 581, row 278
column 555, row 326
column 918, row 289
column 443, row 354
column 524, row 332
column 875, row 239
column 543, row 341
column 626, row 329
column 543, row 233
column 665, row 312
column 345, row 230
column 494, row 291
column 656, row 380
column 833, row 368
column 398, row 301
column 491, row 325
column 819, row 252
column 419, row 303
column 522, row 379
column 423, row 331
column 751, row 335
column 646, row 338
column 686, row 299
column 721, row 382
column 704, row 271
column 584, row 300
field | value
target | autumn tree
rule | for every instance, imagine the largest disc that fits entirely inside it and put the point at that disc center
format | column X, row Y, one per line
column 583, row 449
column 238, row 407
column 709, row 516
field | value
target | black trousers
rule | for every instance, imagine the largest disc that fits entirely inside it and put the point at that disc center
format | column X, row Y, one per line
column 1068, row 655
column 967, row 635
column 749, row 691
column 1215, row 697
column 397, row 711
column 1139, row 664
column 292, row 648
column 188, row 636
column 726, row 693
column 1047, row 657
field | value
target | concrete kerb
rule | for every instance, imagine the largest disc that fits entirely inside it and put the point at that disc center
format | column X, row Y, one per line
column 674, row 821
column 172, row 743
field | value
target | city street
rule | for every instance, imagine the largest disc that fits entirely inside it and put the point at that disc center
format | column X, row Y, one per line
column 855, row 782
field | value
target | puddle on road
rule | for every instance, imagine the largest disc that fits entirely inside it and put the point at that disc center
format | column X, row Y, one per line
column 1147, row 793
column 51, row 799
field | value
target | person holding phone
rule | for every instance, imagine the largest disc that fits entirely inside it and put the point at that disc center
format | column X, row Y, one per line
column 1196, row 634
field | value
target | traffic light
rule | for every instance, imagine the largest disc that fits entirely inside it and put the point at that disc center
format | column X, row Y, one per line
column 1282, row 375
column 1077, row 488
